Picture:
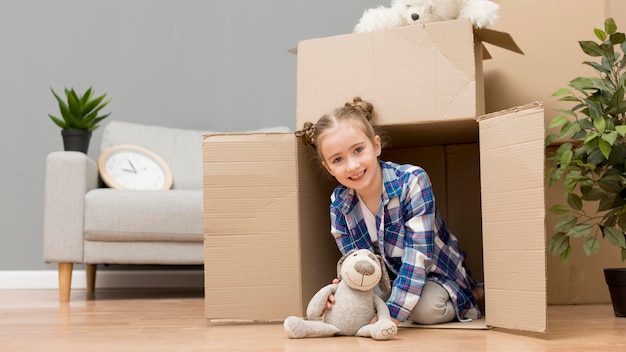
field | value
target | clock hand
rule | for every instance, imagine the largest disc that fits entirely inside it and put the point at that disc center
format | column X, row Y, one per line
column 129, row 170
column 131, row 165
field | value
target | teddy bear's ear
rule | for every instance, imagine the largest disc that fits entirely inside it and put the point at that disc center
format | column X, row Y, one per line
column 341, row 262
column 384, row 283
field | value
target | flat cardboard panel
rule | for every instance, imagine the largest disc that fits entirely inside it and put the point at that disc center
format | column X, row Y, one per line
column 513, row 212
column 268, row 247
column 242, row 197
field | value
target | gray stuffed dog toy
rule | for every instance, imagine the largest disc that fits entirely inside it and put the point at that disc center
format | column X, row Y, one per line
column 359, row 271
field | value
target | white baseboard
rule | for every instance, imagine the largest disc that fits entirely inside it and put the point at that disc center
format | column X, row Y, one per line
column 48, row 279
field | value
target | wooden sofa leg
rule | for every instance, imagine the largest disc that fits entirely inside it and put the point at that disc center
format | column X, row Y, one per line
column 65, row 281
column 90, row 271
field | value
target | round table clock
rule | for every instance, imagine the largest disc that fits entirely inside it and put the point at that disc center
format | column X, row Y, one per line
column 133, row 167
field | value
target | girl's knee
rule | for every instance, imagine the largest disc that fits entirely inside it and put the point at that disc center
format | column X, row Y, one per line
column 434, row 306
column 433, row 314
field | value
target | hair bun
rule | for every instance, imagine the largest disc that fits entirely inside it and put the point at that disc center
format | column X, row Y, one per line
column 362, row 106
column 307, row 134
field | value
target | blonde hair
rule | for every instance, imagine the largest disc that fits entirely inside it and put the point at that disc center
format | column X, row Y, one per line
column 358, row 112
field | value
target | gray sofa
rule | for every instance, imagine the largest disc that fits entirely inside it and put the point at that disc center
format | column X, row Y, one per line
column 86, row 223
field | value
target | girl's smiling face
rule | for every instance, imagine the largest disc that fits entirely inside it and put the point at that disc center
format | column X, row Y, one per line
column 352, row 157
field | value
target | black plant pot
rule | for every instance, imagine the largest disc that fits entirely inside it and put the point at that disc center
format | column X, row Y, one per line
column 616, row 280
column 76, row 140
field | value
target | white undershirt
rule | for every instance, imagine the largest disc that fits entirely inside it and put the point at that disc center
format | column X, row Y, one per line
column 370, row 220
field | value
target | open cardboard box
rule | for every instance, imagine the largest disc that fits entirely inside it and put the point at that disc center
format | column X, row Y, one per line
column 267, row 242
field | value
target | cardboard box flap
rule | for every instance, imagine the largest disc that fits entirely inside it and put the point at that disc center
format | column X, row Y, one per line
column 500, row 39
column 512, row 144
column 241, row 216
column 263, row 198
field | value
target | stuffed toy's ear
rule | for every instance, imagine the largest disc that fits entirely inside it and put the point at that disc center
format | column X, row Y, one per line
column 341, row 260
column 384, row 284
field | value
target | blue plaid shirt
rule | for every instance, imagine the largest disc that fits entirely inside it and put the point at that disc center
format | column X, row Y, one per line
column 414, row 240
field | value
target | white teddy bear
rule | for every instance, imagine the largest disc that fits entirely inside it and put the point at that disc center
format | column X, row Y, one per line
column 482, row 13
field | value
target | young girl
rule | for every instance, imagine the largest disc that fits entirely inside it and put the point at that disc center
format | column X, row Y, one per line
column 391, row 210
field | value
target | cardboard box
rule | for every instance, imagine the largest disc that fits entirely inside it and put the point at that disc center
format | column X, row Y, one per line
column 553, row 58
column 266, row 198
column 267, row 241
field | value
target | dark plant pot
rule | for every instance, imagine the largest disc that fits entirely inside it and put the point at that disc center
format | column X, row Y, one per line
column 76, row 140
column 616, row 280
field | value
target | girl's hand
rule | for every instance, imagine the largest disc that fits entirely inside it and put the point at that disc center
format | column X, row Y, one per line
column 331, row 297
column 478, row 293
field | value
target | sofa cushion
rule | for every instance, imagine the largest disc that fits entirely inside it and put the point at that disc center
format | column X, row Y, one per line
column 132, row 215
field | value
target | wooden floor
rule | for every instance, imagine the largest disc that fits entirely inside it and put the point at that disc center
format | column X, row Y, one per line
column 173, row 320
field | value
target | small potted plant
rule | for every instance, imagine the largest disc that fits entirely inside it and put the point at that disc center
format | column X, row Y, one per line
column 79, row 117
column 591, row 162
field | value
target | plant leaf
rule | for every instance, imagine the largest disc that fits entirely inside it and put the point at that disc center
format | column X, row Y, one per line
column 610, row 137
column 617, row 38
column 58, row 122
column 558, row 243
column 605, row 148
column 574, row 201
column 559, row 209
column 565, row 224
column 591, row 246
column 614, row 236
column 569, row 129
column 580, row 230
column 621, row 129
column 562, row 91
column 590, row 138
column 595, row 157
column 591, row 48
column 609, row 26
column 558, row 121
column 617, row 101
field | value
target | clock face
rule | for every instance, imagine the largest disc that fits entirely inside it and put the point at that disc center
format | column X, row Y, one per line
column 132, row 167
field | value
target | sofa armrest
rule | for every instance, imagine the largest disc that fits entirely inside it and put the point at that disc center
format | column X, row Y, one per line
column 69, row 176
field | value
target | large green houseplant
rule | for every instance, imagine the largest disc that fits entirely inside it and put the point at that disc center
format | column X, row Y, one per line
column 79, row 117
column 591, row 163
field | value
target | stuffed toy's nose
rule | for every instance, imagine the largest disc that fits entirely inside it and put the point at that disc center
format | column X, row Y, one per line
column 415, row 16
column 365, row 268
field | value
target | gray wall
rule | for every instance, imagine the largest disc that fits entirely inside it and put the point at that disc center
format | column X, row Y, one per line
column 199, row 64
